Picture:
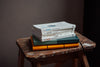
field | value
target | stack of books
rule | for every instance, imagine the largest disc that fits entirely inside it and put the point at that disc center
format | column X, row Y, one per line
column 54, row 35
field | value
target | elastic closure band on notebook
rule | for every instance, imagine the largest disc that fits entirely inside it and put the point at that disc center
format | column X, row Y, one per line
column 47, row 46
column 64, row 45
column 82, row 47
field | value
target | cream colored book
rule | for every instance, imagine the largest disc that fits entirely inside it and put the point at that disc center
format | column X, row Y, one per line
column 53, row 37
column 55, row 30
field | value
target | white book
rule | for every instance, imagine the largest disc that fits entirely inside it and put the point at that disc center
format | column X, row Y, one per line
column 48, row 29
column 53, row 37
column 52, row 32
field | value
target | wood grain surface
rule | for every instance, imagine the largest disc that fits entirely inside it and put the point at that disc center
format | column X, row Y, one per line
column 24, row 45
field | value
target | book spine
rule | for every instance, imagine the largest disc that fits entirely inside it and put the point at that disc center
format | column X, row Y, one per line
column 46, row 47
column 56, row 42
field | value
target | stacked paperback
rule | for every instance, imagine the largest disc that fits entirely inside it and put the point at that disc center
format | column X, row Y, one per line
column 54, row 35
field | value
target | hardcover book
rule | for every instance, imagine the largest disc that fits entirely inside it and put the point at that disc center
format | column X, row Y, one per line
column 46, row 47
column 53, row 46
column 73, row 39
column 53, row 37
column 56, row 30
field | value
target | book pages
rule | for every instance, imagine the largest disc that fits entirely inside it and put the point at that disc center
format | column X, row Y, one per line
column 51, row 31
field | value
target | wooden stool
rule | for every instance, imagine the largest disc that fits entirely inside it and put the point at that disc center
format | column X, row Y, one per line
column 58, row 56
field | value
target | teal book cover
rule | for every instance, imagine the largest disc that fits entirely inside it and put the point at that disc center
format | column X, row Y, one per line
column 73, row 39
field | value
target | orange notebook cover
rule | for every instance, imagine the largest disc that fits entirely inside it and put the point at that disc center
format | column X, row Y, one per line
column 55, row 46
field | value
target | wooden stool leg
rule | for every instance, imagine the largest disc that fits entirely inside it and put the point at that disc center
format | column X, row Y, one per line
column 20, row 59
column 83, row 60
column 75, row 62
column 59, row 64
column 36, row 64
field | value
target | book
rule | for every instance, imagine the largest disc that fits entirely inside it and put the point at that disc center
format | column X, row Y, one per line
column 73, row 39
column 46, row 47
column 54, row 46
column 55, row 30
column 53, row 37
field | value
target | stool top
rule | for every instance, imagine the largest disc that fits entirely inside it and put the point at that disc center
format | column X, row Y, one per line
column 24, row 45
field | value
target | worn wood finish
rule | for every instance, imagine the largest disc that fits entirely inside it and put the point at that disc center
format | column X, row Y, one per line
column 50, row 56
column 86, row 43
column 55, row 58
column 75, row 62
column 20, row 59
column 59, row 64
column 25, row 45
column 35, row 64
column 83, row 60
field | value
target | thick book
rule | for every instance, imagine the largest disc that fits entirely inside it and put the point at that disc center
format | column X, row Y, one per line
column 55, row 29
column 53, row 46
column 54, row 36
column 73, row 39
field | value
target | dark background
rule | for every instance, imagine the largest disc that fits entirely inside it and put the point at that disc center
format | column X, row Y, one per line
column 90, row 29
column 18, row 16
